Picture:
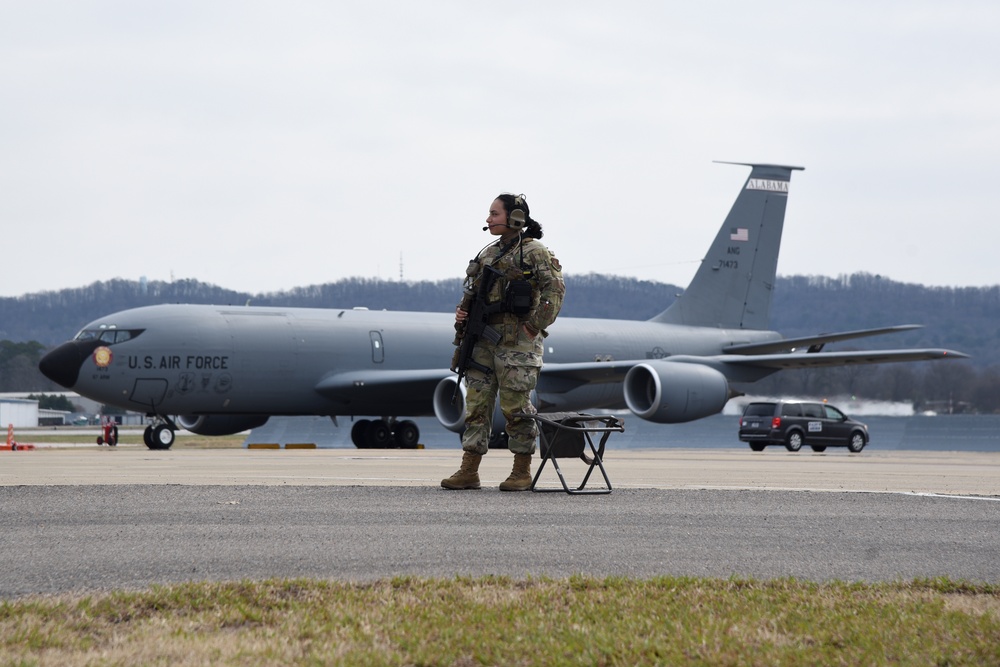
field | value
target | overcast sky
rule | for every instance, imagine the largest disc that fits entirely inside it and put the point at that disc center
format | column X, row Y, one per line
column 262, row 146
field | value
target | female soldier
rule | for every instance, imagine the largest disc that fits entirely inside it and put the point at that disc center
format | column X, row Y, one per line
column 531, row 289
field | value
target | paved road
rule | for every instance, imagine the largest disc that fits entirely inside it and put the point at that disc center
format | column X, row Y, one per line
column 94, row 528
column 969, row 473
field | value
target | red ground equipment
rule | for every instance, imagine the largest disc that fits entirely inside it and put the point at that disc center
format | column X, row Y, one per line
column 109, row 432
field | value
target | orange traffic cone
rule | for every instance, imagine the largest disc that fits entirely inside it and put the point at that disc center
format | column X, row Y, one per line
column 12, row 444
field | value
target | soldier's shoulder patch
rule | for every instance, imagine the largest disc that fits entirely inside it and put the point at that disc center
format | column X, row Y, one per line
column 555, row 264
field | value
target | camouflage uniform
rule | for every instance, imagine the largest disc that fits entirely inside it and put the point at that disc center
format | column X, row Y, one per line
column 517, row 358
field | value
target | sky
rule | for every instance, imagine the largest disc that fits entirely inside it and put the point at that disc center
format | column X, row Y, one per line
column 262, row 146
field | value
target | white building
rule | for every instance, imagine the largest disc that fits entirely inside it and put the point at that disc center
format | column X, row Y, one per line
column 21, row 413
column 86, row 405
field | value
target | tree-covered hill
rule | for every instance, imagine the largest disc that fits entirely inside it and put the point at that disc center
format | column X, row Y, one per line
column 960, row 318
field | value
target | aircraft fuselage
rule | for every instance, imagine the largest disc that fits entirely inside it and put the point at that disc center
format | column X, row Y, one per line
column 195, row 359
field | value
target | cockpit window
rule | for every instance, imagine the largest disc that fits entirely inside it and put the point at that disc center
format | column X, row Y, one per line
column 108, row 336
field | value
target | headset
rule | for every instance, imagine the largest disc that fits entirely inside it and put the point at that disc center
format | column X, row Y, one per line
column 517, row 218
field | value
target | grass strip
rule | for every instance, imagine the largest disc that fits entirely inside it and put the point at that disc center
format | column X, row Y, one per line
column 504, row 621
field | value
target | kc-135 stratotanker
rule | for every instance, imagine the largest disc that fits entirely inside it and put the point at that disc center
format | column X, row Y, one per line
column 217, row 370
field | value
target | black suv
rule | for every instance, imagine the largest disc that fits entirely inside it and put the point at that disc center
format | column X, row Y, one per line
column 796, row 423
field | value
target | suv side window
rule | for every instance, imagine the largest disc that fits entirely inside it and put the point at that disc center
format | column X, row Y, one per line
column 813, row 410
column 833, row 413
column 791, row 410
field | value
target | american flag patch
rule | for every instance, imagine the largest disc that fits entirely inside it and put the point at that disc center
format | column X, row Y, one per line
column 738, row 234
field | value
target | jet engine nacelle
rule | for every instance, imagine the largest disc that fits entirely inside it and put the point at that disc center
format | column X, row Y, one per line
column 674, row 392
column 451, row 415
column 220, row 424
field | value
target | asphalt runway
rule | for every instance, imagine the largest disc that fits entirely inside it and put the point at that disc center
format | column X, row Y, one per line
column 99, row 519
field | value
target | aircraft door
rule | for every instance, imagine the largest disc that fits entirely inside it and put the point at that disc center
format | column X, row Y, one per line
column 149, row 391
column 378, row 351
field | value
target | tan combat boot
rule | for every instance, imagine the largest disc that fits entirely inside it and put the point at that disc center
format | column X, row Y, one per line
column 467, row 476
column 520, row 476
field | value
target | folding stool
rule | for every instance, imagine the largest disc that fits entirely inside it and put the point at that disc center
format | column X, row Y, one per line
column 568, row 435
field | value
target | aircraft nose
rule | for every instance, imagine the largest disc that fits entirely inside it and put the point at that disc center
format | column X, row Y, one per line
column 62, row 365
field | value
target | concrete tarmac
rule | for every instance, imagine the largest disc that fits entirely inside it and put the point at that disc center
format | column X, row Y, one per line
column 101, row 519
column 959, row 473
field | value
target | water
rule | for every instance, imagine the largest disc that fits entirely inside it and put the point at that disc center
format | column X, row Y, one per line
column 967, row 433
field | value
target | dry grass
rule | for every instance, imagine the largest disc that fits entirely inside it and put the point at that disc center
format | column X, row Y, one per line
column 502, row 621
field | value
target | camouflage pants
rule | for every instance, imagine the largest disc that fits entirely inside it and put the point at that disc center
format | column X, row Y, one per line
column 513, row 377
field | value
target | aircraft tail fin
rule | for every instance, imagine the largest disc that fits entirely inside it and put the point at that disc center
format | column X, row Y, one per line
column 732, row 288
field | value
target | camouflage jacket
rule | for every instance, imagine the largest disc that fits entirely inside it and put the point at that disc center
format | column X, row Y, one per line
column 531, row 261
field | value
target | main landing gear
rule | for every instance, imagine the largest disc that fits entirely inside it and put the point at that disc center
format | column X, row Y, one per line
column 385, row 433
column 159, row 434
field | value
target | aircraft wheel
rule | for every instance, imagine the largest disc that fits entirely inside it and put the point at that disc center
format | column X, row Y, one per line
column 379, row 434
column 793, row 442
column 498, row 440
column 147, row 436
column 818, row 448
column 757, row 446
column 407, row 435
column 161, row 437
column 359, row 433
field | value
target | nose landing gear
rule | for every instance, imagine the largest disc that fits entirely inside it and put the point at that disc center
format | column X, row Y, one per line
column 159, row 434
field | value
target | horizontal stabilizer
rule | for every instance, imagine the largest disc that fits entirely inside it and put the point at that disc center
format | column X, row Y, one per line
column 814, row 343
column 824, row 359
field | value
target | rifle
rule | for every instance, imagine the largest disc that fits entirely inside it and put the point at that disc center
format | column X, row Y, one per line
column 476, row 327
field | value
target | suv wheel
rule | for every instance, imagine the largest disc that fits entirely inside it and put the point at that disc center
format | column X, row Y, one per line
column 793, row 442
column 857, row 442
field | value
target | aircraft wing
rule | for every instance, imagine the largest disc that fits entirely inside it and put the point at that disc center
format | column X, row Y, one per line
column 369, row 392
column 377, row 388
column 824, row 359
column 560, row 378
